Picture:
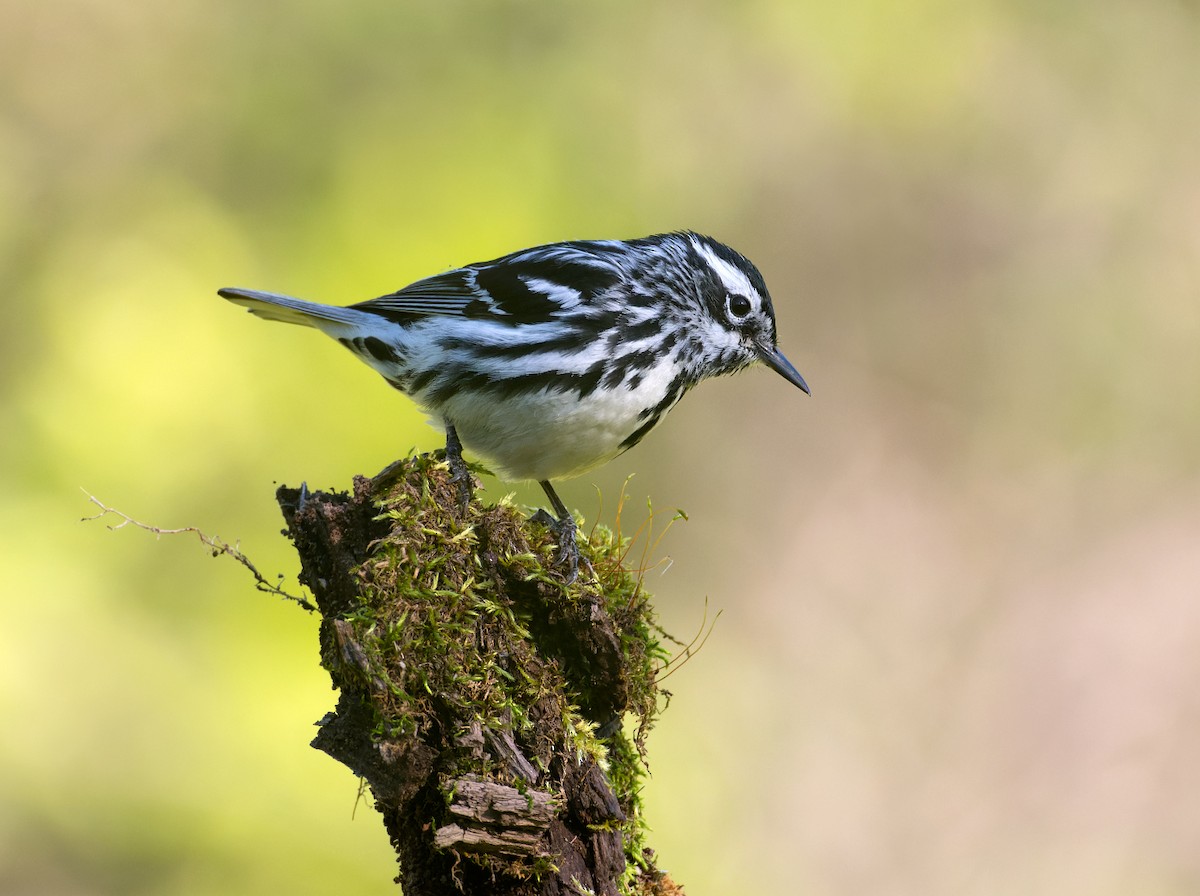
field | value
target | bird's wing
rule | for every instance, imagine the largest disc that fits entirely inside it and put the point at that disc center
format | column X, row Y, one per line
column 449, row 293
column 526, row 287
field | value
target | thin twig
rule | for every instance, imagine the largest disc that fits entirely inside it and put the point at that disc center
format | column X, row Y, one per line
column 216, row 544
column 690, row 649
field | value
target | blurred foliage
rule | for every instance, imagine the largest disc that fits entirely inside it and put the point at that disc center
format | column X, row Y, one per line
column 981, row 224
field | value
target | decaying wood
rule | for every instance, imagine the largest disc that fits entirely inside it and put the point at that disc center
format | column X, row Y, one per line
column 502, row 745
column 496, row 819
column 471, row 807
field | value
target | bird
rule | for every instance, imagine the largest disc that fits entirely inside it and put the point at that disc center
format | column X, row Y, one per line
column 551, row 361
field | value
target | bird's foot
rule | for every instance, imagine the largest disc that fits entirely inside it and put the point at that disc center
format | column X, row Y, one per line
column 460, row 476
column 568, row 548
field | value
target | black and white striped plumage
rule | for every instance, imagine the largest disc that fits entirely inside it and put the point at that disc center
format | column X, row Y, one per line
column 553, row 360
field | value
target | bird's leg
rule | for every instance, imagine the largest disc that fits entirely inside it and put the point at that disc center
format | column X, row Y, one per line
column 564, row 527
column 459, row 474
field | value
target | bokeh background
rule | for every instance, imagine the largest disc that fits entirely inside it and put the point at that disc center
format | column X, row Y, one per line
column 959, row 650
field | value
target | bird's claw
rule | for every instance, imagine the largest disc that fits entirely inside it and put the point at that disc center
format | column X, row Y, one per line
column 464, row 483
column 568, row 547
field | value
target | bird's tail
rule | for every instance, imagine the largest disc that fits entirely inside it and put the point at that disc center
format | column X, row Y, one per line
column 273, row 306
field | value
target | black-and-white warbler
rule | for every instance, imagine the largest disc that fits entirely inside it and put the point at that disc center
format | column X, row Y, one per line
column 553, row 360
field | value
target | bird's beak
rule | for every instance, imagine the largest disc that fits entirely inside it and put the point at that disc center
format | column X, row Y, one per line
column 773, row 358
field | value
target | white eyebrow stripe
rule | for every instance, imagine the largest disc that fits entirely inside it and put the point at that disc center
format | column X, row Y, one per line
column 735, row 280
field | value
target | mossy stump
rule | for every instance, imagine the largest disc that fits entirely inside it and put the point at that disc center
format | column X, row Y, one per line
column 497, row 714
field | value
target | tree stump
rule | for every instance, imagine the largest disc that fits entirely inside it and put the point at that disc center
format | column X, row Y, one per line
column 498, row 715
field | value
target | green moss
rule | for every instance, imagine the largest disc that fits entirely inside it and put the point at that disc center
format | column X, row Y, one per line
column 464, row 624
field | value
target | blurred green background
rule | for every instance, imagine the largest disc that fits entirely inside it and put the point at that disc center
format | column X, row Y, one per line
column 960, row 648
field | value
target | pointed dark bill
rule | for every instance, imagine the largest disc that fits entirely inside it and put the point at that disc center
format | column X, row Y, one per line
column 773, row 358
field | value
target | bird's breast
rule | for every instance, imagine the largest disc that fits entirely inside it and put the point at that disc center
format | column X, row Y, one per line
column 552, row 433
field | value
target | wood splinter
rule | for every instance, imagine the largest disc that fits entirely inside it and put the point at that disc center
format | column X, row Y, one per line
column 495, row 819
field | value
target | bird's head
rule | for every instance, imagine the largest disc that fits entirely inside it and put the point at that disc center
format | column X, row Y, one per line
column 737, row 318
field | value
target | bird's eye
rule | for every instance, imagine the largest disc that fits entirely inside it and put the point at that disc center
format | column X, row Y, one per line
column 738, row 306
